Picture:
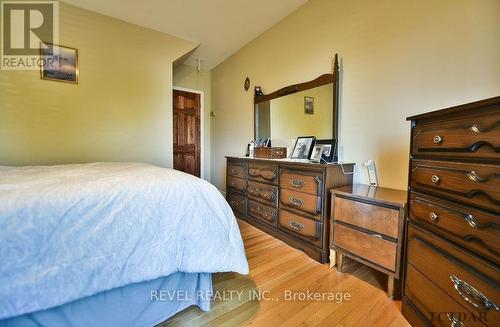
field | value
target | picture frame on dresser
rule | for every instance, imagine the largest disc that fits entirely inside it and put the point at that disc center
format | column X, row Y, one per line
column 303, row 147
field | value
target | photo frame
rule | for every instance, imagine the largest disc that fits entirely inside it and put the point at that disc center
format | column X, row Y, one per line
column 60, row 63
column 317, row 152
column 329, row 150
column 303, row 147
column 309, row 105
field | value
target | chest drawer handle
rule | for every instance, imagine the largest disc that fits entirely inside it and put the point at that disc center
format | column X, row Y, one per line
column 472, row 295
column 477, row 129
column 437, row 139
column 234, row 171
column 297, row 183
column 454, row 321
column 433, row 216
column 295, row 225
column 435, row 179
column 473, row 176
column 473, row 223
column 296, row 202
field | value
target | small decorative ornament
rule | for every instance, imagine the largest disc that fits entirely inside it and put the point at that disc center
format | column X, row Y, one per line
column 247, row 84
column 258, row 91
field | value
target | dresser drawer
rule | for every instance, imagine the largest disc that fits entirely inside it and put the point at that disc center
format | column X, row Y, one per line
column 301, row 202
column 470, row 281
column 436, row 306
column 262, row 212
column 238, row 203
column 474, row 184
column 379, row 219
column 369, row 247
column 237, row 184
column 263, row 192
column 263, row 173
column 477, row 230
column 470, row 137
column 302, row 181
column 302, row 227
column 236, row 169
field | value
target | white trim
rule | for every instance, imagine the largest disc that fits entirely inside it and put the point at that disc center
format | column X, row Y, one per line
column 202, row 124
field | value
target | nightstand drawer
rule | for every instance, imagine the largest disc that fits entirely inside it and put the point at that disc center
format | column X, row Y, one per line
column 369, row 247
column 375, row 218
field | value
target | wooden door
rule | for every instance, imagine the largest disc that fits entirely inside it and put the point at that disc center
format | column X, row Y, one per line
column 187, row 132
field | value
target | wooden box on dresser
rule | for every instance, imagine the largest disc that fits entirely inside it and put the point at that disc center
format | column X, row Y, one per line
column 286, row 198
column 452, row 275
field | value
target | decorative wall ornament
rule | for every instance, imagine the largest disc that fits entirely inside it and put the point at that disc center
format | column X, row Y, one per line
column 247, row 84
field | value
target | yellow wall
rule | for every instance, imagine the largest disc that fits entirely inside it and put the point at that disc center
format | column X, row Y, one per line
column 187, row 76
column 398, row 58
column 120, row 111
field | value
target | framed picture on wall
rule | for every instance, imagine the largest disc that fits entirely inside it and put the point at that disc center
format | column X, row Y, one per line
column 303, row 147
column 309, row 105
column 59, row 63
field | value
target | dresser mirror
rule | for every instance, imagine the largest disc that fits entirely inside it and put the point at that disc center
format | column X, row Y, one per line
column 305, row 109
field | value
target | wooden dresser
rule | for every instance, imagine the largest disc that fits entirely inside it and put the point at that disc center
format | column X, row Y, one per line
column 287, row 199
column 367, row 225
column 452, row 275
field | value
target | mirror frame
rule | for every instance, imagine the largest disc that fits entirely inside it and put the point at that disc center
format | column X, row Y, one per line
column 322, row 80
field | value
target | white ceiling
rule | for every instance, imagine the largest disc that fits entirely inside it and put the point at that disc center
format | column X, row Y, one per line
column 221, row 27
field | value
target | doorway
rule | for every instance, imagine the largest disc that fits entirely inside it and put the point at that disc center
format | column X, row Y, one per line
column 187, row 127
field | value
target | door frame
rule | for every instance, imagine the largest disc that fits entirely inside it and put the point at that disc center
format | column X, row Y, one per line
column 202, row 124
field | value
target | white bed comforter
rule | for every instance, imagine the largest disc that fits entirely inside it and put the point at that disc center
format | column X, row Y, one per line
column 71, row 231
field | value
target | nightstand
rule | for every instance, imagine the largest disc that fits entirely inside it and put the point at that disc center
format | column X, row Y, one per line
column 367, row 225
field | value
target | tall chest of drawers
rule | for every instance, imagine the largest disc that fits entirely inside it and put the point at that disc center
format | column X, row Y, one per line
column 452, row 273
column 287, row 199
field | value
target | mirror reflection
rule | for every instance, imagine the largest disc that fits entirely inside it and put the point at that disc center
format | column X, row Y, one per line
column 305, row 113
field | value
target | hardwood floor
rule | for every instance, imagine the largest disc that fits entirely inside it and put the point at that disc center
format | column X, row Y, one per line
column 279, row 271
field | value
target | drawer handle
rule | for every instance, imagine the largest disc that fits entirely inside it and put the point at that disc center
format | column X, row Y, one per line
column 473, row 176
column 454, row 321
column 477, row 129
column 253, row 172
column 377, row 236
column 270, row 175
column 473, row 223
column 295, row 225
column 437, row 139
column 472, row 295
column 433, row 216
column 435, row 179
column 297, row 183
column 296, row 202
column 269, row 196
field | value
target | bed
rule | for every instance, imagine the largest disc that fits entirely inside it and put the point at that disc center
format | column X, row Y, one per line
column 110, row 244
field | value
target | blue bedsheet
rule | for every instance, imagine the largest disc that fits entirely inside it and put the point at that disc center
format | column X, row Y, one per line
column 71, row 231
